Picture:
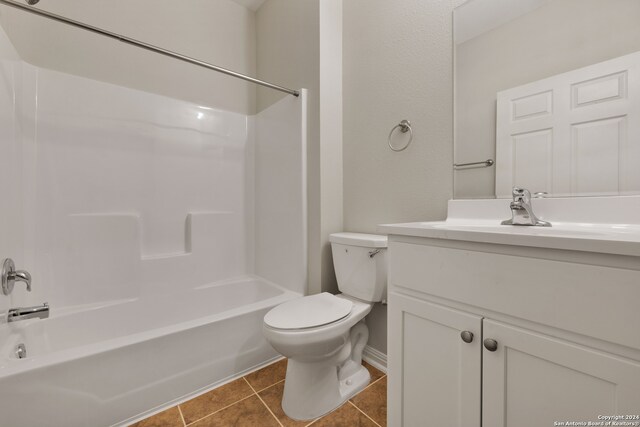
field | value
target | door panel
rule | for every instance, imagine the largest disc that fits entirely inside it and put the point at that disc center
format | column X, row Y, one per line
column 532, row 380
column 575, row 133
column 437, row 374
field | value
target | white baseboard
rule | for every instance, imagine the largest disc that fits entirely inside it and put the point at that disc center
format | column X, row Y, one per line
column 375, row 358
column 192, row 395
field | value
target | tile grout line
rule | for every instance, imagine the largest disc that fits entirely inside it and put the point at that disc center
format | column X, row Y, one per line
column 238, row 401
column 263, row 389
column 184, row 423
column 365, row 414
column 221, row 409
column 269, row 409
column 265, row 405
column 317, row 419
column 355, row 406
column 275, row 384
column 369, row 385
column 254, row 391
column 349, row 401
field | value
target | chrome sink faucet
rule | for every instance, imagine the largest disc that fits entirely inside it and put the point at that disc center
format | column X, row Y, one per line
column 24, row 313
column 521, row 210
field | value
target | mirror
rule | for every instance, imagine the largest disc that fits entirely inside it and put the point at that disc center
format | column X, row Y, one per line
column 549, row 90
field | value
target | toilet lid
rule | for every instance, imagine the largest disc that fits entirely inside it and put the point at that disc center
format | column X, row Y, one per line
column 308, row 312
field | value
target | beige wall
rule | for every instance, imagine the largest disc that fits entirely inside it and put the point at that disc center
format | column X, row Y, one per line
column 221, row 32
column 299, row 45
column 397, row 59
column 560, row 36
column 288, row 48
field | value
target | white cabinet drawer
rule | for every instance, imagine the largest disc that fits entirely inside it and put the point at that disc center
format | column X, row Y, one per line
column 596, row 301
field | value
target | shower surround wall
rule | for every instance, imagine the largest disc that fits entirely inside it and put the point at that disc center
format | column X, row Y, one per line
column 122, row 198
column 142, row 198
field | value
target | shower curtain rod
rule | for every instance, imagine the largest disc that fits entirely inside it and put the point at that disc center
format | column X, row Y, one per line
column 146, row 46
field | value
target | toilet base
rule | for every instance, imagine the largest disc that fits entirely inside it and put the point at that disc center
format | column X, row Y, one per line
column 312, row 390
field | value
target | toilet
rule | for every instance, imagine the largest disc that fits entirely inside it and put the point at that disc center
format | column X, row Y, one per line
column 323, row 335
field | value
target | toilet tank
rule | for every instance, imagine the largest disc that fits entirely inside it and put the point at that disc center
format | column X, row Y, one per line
column 360, row 263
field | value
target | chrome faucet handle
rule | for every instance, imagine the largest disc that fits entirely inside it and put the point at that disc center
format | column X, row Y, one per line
column 521, row 195
column 22, row 276
column 10, row 276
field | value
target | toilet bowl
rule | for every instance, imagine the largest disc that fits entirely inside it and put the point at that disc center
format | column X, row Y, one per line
column 324, row 335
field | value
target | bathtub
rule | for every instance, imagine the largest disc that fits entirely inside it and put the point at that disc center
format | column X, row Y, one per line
column 115, row 363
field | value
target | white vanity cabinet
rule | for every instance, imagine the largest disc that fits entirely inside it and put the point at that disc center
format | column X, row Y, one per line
column 566, row 328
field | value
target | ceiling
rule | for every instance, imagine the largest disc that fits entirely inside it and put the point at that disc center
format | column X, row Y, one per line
column 479, row 16
column 250, row 4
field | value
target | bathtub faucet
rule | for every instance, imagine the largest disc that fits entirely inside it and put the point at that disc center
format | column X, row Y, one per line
column 522, row 211
column 9, row 276
column 24, row 313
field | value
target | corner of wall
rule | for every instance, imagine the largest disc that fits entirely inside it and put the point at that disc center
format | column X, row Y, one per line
column 331, row 161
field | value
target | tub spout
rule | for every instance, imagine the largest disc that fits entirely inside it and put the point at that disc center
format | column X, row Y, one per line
column 24, row 313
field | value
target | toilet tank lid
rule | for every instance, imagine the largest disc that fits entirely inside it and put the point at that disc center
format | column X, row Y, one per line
column 359, row 239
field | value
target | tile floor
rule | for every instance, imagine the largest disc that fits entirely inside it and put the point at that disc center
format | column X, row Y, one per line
column 254, row 400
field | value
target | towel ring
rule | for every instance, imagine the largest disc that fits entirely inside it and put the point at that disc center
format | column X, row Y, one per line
column 405, row 126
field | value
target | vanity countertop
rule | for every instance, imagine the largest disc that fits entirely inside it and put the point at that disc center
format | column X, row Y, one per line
column 608, row 225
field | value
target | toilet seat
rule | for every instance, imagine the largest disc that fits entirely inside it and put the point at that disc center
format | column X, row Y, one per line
column 308, row 312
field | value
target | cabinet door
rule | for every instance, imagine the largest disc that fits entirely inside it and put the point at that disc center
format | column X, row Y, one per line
column 434, row 376
column 532, row 380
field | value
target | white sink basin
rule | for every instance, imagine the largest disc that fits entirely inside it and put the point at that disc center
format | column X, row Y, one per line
column 558, row 229
column 479, row 221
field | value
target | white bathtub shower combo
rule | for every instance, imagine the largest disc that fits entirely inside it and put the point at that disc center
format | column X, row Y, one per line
column 149, row 226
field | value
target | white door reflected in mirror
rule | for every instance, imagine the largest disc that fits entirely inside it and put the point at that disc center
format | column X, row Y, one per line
column 507, row 45
column 573, row 134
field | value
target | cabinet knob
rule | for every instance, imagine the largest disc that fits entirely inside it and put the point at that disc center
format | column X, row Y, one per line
column 491, row 345
column 467, row 336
